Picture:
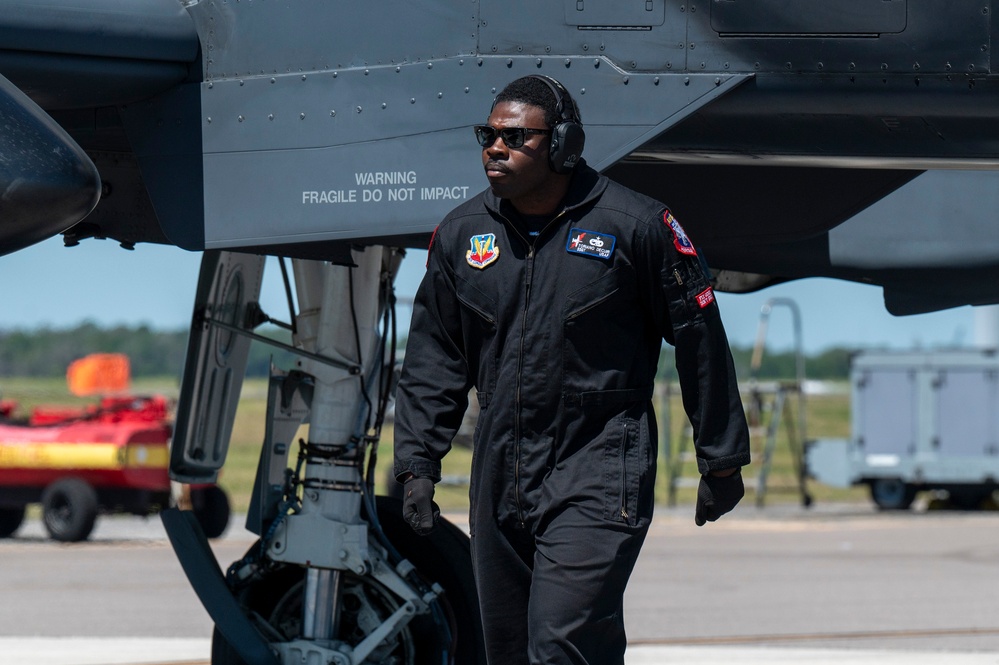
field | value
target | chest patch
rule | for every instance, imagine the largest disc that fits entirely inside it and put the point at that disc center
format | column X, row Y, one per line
column 680, row 239
column 484, row 250
column 590, row 243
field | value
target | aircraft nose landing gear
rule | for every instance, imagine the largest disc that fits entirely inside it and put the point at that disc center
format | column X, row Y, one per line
column 337, row 577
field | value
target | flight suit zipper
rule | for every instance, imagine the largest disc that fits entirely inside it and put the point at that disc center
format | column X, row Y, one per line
column 520, row 370
column 520, row 356
column 624, row 473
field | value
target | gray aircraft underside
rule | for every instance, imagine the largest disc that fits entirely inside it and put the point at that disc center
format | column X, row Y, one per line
column 852, row 139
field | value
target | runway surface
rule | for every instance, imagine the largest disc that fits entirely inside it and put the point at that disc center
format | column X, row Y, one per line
column 833, row 584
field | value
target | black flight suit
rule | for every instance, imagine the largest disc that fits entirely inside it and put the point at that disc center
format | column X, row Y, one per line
column 560, row 335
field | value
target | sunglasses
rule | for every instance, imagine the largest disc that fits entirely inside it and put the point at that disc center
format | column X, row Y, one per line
column 513, row 137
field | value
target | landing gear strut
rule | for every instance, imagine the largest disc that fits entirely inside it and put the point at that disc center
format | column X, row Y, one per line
column 336, row 577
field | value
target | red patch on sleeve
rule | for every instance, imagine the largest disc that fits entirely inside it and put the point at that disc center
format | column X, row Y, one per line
column 705, row 297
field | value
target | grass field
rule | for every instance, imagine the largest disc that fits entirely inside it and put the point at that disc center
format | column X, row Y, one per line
column 827, row 416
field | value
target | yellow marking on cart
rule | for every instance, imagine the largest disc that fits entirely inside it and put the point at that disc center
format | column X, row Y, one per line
column 68, row 455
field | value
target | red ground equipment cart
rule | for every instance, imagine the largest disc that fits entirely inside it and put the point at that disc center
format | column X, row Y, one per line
column 101, row 458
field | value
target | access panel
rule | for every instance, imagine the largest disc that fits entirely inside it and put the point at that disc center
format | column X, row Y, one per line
column 808, row 17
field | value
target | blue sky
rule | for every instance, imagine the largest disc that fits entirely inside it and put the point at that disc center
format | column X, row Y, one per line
column 49, row 285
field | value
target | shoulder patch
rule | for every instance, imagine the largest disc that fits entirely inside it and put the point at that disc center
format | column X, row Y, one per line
column 590, row 243
column 680, row 239
column 484, row 250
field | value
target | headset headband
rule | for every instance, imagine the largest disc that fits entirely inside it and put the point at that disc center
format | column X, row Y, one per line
column 566, row 111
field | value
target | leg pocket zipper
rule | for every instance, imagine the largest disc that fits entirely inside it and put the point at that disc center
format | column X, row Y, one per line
column 624, row 474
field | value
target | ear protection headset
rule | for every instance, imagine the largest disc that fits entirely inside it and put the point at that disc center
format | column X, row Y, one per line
column 567, row 134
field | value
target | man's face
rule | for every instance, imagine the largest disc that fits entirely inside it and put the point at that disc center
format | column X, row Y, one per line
column 522, row 174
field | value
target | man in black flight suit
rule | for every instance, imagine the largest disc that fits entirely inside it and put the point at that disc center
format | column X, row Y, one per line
column 551, row 294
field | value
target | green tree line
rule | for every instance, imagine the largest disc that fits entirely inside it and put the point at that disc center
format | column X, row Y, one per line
column 47, row 352
column 829, row 365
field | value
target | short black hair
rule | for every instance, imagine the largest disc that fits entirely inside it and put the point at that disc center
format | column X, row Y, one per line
column 532, row 90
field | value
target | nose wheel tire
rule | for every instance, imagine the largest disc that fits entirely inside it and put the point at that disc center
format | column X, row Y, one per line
column 452, row 633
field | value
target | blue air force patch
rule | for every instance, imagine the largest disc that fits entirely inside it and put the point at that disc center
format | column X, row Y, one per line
column 590, row 243
column 484, row 250
column 680, row 239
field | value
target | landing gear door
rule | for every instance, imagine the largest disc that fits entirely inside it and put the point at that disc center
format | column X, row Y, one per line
column 226, row 303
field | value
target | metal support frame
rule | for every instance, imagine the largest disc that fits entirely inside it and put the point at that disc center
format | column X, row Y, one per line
column 774, row 400
column 313, row 517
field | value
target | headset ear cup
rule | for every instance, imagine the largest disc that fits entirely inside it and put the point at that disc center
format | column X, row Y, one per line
column 566, row 146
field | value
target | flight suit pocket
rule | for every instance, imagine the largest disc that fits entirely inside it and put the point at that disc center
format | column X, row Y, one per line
column 476, row 302
column 599, row 323
column 479, row 324
column 624, row 465
column 689, row 291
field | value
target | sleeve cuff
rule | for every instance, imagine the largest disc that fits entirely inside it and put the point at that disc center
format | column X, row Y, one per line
column 419, row 468
column 705, row 465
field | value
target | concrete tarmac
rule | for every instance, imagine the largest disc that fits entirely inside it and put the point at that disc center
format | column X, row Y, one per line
column 832, row 584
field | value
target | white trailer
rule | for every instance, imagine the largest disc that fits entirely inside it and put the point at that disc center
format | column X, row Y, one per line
column 920, row 421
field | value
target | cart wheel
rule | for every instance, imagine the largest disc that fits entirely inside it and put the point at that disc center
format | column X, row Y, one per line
column 892, row 493
column 69, row 509
column 10, row 521
column 210, row 506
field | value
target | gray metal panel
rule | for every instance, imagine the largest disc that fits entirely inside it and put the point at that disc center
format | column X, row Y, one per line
column 804, row 17
column 315, row 195
column 656, row 45
column 330, row 35
column 287, row 410
column 165, row 135
column 885, row 411
column 614, row 13
column 215, row 365
column 138, row 29
column 381, row 151
column 965, row 405
column 829, row 462
column 943, row 216
column 954, row 41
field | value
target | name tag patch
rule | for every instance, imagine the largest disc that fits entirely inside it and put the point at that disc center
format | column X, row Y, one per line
column 590, row 243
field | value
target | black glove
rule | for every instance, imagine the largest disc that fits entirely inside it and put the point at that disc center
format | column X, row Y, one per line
column 716, row 495
column 418, row 507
